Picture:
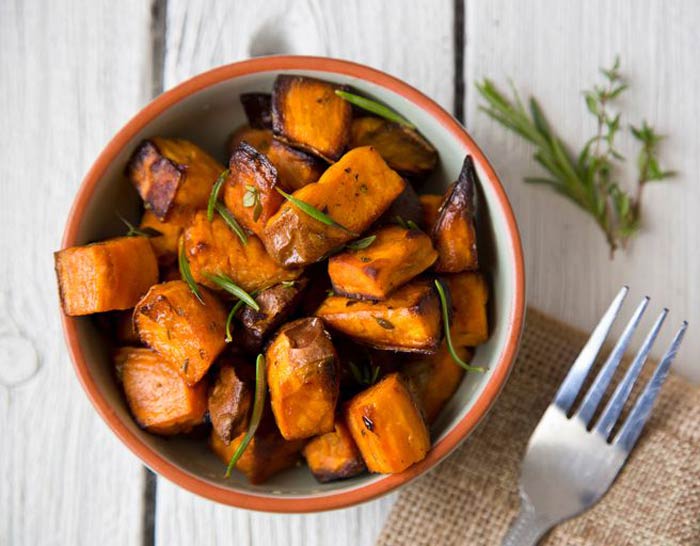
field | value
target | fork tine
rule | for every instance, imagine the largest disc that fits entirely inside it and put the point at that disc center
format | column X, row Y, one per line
column 602, row 380
column 613, row 409
column 642, row 409
column 579, row 370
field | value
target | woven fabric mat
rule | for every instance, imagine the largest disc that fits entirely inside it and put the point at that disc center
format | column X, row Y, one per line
column 471, row 498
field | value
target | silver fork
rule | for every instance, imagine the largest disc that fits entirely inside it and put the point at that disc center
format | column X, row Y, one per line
column 569, row 465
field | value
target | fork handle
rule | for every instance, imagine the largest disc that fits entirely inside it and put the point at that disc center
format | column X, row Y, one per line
column 527, row 528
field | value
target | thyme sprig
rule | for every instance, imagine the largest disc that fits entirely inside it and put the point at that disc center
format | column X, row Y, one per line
column 251, row 198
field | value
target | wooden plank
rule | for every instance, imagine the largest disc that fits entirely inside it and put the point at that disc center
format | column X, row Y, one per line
column 71, row 73
column 553, row 49
column 415, row 45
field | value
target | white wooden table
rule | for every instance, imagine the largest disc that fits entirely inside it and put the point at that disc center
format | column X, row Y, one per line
column 71, row 73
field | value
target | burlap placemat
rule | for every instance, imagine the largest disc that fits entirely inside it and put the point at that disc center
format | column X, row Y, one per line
column 471, row 498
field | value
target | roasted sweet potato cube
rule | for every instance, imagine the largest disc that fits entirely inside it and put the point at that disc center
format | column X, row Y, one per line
column 469, row 295
column 260, row 139
column 387, row 426
column 454, row 234
column 249, row 190
column 430, row 207
column 295, row 168
column 277, row 303
column 229, row 403
column 211, row 247
column 267, row 453
column 105, row 276
column 190, row 335
column 308, row 114
column 170, row 171
column 354, row 192
column 434, row 379
column 401, row 147
column 258, row 109
column 159, row 398
column 165, row 245
column 404, row 209
column 409, row 320
column 303, row 378
column 334, row 455
column 394, row 258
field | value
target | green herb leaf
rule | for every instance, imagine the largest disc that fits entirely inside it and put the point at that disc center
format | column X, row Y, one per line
column 229, row 319
column 314, row 212
column 361, row 244
column 214, row 195
column 251, row 198
column 256, row 416
column 384, row 323
column 446, row 327
column 401, row 222
column 138, row 232
column 185, row 272
column 225, row 283
column 288, row 284
column 374, row 107
column 231, row 222
column 412, row 225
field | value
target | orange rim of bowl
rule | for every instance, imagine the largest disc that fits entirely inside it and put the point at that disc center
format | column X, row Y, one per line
column 377, row 487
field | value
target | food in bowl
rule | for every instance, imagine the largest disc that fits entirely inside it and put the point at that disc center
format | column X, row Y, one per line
column 317, row 193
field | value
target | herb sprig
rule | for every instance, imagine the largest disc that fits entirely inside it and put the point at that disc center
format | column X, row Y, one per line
column 361, row 244
column 225, row 283
column 251, row 198
column 185, row 272
column 134, row 231
column 366, row 375
column 314, row 212
column 374, row 107
column 214, row 195
column 590, row 179
column 231, row 222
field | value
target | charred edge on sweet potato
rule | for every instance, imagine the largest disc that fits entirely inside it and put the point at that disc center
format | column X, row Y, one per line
column 258, row 109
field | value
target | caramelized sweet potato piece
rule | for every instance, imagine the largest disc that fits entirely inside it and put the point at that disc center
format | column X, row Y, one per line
column 159, row 398
column 249, row 190
column 430, row 207
column 468, row 294
column 387, row 426
column 303, row 378
column 276, row 303
column 409, row 320
column 165, row 245
column 260, row 139
column 295, row 169
column 434, row 379
column 258, row 109
column 334, row 455
column 190, row 335
column 394, row 258
column 354, row 192
column 405, row 208
column 170, row 171
column 454, row 235
column 105, row 276
column 402, row 148
column 230, row 400
column 308, row 114
column 211, row 247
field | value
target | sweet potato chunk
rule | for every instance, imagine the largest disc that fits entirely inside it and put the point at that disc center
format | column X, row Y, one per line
column 249, row 190
column 170, row 171
column 434, row 379
column 334, row 455
column 230, row 400
column 159, row 398
column 124, row 331
column 105, row 276
column 260, row 139
column 405, row 208
column 303, row 378
column 387, row 426
column 409, row 320
column 308, row 114
column 211, row 247
column 258, row 109
column 454, row 235
column 469, row 295
column 165, row 245
column 190, row 335
column 394, row 258
column 354, row 192
column 430, row 207
column 402, row 148
column 276, row 303
column 295, row 169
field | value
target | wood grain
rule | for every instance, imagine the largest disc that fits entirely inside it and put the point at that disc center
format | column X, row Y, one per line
column 552, row 49
column 70, row 74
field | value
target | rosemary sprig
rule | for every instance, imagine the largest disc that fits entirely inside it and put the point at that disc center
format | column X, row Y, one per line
column 225, row 283
column 368, row 375
column 229, row 319
column 374, row 107
column 448, row 336
column 361, row 244
column 231, row 222
column 214, row 195
column 313, row 212
column 185, row 272
column 138, row 232
column 256, row 416
column 251, row 198
column 589, row 179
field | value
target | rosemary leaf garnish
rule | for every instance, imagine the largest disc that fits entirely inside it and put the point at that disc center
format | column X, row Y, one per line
column 374, row 107
column 313, row 212
column 229, row 319
column 384, row 323
column 361, row 244
column 225, row 283
column 368, row 375
column 590, row 178
column 231, row 222
column 185, row 272
column 256, row 416
column 288, row 284
column 401, row 222
column 251, row 198
column 448, row 337
column 214, row 195
column 412, row 225
column 139, row 232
